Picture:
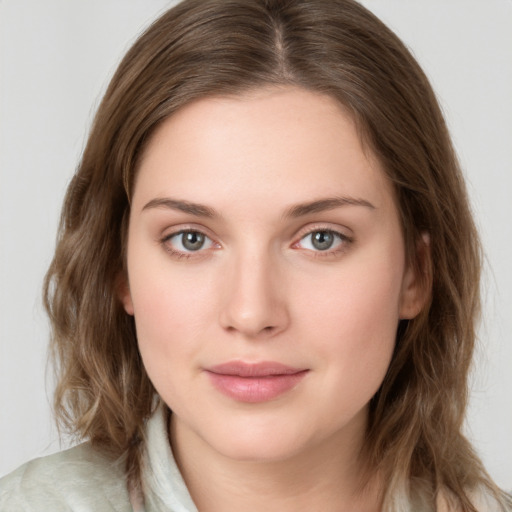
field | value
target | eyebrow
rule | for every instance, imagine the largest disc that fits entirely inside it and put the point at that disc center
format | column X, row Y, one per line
column 322, row 205
column 298, row 210
column 196, row 209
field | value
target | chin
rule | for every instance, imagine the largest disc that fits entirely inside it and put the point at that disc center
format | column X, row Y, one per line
column 264, row 442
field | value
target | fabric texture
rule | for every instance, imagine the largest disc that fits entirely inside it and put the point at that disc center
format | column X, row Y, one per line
column 82, row 479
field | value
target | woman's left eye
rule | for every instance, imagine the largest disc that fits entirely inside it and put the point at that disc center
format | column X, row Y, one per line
column 188, row 241
column 323, row 240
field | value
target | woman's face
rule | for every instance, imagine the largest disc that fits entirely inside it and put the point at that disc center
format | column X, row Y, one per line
column 266, row 274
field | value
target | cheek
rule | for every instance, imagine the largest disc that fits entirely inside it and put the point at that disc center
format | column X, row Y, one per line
column 171, row 309
column 354, row 316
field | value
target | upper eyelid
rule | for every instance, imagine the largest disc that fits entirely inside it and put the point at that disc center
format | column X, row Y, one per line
column 327, row 230
column 169, row 247
column 186, row 228
column 344, row 232
column 343, row 238
column 169, row 233
column 178, row 233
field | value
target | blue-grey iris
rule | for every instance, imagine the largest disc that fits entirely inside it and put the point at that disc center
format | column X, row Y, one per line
column 322, row 240
column 192, row 240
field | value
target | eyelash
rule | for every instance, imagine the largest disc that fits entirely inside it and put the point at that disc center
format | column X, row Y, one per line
column 343, row 242
column 186, row 254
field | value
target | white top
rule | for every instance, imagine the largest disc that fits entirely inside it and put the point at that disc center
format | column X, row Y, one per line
column 82, row 479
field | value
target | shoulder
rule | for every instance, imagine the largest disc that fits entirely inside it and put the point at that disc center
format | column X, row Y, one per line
column 80, row 478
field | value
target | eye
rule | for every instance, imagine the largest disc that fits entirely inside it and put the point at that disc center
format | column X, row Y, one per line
column 323, row 240
column 188, row 241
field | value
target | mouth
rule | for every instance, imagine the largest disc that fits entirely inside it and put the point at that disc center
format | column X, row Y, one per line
column 254, row 382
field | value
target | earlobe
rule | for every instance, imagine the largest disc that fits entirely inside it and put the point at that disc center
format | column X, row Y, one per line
column 123, row 293
column 417, row 281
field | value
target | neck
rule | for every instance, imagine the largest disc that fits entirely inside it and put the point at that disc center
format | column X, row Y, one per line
column 318, row 478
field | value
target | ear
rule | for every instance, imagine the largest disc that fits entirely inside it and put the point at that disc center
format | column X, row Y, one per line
column 417, row 281
column 123, row 292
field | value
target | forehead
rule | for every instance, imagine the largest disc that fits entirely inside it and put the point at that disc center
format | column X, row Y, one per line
column 268, row 143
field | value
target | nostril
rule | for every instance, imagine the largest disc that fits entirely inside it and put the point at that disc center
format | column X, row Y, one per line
column 264, row 332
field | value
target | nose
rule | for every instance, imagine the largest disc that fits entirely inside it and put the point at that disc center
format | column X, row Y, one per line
column 254, row 298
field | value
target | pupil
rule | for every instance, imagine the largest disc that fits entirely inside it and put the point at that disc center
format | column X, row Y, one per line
column 193, row 241
column 322, row 240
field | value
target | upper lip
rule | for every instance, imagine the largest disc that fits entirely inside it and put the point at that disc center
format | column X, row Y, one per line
column 261, row 369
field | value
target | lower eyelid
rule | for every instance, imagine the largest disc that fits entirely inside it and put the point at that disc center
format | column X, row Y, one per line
column 342, row 243
column 210, row 244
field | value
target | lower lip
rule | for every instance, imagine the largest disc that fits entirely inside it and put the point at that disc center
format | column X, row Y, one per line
column 255, row 389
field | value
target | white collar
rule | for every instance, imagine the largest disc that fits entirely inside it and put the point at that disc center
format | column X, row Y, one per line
column 163, row 485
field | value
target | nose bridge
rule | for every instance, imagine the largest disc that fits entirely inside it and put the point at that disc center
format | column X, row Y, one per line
column 254, row 301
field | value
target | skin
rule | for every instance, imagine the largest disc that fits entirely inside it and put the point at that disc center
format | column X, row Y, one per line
column 260, row 290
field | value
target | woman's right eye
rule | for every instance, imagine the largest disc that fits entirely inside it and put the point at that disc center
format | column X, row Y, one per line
column 187, row 242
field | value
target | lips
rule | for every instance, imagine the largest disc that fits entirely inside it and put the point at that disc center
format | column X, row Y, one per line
column 254, row 382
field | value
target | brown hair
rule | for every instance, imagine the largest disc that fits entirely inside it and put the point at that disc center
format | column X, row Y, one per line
column 336, row 47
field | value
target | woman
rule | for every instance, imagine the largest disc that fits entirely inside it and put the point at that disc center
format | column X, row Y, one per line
column 269, row 236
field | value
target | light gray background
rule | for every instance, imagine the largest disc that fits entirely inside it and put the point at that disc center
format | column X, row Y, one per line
column 55, row 60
